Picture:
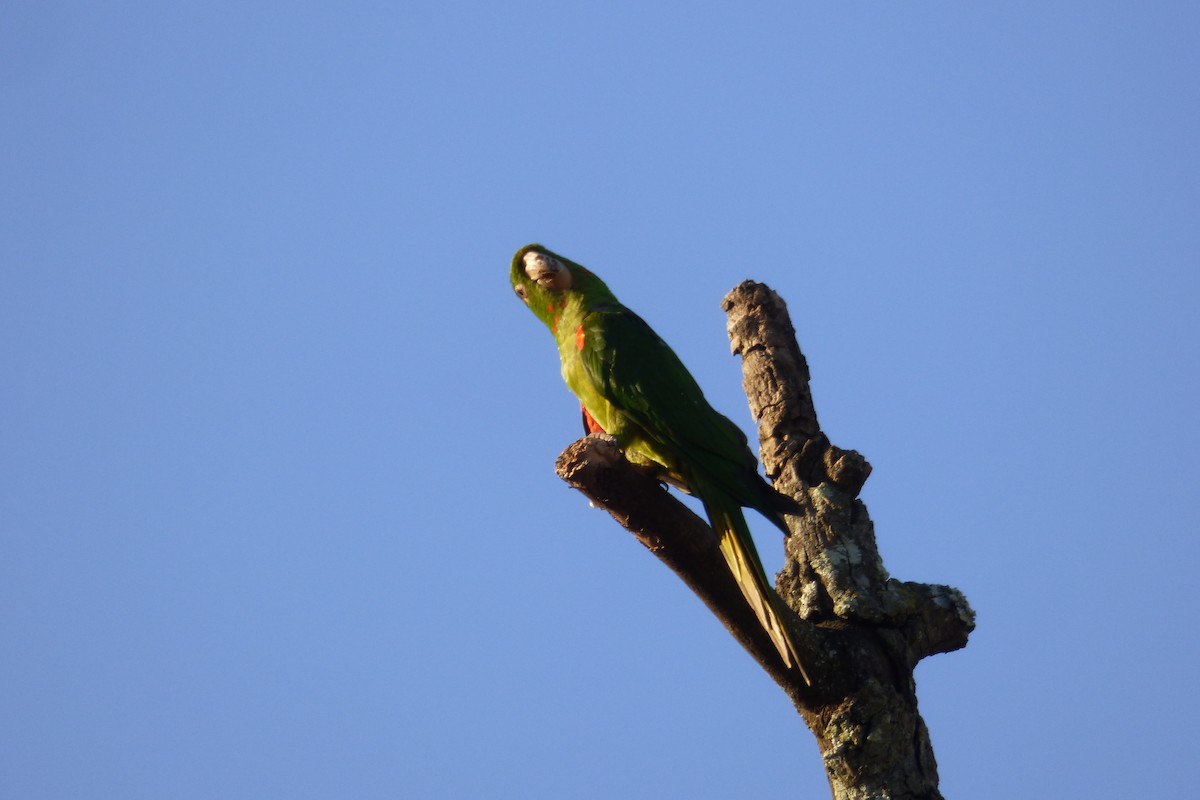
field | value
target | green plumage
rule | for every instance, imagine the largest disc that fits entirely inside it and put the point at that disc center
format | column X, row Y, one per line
column 636, row 389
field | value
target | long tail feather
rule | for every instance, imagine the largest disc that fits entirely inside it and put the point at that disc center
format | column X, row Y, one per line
column 742, row 558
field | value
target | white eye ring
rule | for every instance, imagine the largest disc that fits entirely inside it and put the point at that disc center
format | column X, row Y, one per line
column 547, row 272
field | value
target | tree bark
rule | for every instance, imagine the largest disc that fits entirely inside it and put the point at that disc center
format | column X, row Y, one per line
column 861, row 631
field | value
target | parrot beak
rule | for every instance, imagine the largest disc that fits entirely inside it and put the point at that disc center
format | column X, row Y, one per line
column 547, row 272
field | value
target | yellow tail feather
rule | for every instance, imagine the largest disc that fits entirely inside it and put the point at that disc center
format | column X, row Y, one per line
column 742, row 558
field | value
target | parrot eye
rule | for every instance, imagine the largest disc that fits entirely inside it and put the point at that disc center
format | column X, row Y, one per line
column 547, row 272
column 521, row 293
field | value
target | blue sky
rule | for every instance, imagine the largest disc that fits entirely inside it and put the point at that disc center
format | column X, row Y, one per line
column 279, row 515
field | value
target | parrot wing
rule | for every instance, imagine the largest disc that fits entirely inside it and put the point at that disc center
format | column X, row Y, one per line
column 640, row 375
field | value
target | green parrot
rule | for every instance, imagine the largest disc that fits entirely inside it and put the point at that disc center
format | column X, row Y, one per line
column 633, row 387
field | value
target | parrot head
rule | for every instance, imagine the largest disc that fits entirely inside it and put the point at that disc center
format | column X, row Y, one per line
column 546, row 282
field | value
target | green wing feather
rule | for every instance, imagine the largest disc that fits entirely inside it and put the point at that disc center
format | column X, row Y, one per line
column 641, row 377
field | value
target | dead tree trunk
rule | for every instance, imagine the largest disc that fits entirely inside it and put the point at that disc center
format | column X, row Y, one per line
column 862, row 632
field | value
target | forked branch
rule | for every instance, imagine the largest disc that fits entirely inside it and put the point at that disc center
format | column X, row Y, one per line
column 862, row 632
